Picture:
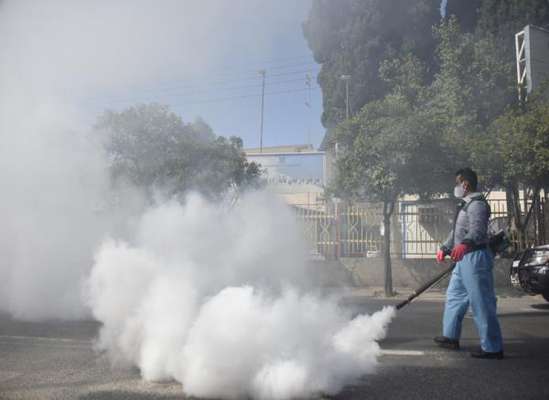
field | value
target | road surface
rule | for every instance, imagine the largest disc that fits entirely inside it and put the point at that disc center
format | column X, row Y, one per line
column 56, row 359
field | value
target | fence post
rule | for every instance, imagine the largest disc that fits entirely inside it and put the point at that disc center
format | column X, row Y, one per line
column 541, row 221
column 337, row 221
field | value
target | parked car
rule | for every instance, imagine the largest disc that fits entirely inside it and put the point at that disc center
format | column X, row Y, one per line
column 530, row 271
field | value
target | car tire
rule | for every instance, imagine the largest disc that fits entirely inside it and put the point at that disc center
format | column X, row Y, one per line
column 545, row 296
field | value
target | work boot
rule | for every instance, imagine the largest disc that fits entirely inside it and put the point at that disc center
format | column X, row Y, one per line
column 447, row 343
column 498, row 355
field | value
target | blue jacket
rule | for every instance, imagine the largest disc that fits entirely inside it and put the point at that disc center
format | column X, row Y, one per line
column 471, row 225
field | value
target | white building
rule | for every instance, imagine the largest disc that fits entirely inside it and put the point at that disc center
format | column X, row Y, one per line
column 296, row 173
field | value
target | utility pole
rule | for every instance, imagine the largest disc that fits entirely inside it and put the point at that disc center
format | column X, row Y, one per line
column 308, row 83
column 262, row 73
column 346, row 78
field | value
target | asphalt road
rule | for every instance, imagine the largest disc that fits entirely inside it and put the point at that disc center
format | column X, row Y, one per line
column 56, row 359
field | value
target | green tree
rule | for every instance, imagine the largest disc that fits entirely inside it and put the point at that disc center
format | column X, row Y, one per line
column 155, row 149
column 519, row 143
column 390, row 148
column 426, row 99
column 472, row 91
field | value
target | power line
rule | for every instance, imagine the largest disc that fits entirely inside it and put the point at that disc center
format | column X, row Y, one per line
column 238, row 97
column 279, row 59
column 229, row 78
column 261, row 65
column 221, row 99
column 175, row 92
column 198, row 89
column 281, row 67
column 267, row 68
column 246, row 77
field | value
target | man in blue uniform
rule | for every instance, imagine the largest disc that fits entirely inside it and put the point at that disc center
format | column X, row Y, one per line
column 472, row 282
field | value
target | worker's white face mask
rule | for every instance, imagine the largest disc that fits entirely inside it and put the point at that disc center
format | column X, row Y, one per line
column 459, row 191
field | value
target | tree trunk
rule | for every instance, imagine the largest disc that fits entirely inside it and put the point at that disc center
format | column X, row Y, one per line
column 532, row 211
column 514, row 210
column 510, row 207
column 388, row 208
column 519, row 219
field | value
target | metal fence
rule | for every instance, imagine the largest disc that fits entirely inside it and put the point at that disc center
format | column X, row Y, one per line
column 320, row 229
column 418, row 228
column 334, row 231
column 423, row 227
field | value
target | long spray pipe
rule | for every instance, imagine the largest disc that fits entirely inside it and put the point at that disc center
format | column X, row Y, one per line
column 426, row 286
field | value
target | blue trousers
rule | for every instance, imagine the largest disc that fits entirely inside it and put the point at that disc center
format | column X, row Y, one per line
column 472, row 284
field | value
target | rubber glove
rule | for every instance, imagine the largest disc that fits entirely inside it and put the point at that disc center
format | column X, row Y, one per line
column 459, row 251
column 441, row 254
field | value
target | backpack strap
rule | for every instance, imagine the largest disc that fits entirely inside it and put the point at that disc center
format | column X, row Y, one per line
column 478, row 197
column 464, row 205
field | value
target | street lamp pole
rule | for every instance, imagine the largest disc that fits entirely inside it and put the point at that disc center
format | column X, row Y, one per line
column 308, row 83
column 262, row 73
column 346, row 78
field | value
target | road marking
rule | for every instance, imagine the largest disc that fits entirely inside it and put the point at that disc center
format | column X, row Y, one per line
column 44, row 338
column 402, row 353
column 384, row 352
column 535, row 310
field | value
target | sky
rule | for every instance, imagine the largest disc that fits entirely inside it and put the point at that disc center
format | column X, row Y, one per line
column 232, row 45
column 200, row 57
column 65, row 61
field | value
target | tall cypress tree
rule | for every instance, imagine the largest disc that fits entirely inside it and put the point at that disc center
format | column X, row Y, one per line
column 353, row 37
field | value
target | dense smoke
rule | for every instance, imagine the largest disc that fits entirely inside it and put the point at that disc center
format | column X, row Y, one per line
column 218, row 300
column 58, row 58
column 443, row 8
column 48, row 208
column 215, row 298
column 55, row 199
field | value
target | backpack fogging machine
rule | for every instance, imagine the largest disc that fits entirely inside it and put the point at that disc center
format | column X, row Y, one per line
column 498, row 243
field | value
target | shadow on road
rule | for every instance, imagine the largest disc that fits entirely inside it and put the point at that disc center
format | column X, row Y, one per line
column 528, row 314
column 455, row 375
column 540, row 306
column 120, row 395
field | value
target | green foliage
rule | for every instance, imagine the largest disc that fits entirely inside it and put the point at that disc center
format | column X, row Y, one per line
column 520, row 140
column 404, row 75
column 374, row 151
column 461, row 75
column 154, row 149
column 388, row 150
column 476, row 83
column 428, row 97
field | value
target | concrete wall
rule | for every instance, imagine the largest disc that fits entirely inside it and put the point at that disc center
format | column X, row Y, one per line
column 331, row 274
column 369, row 272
